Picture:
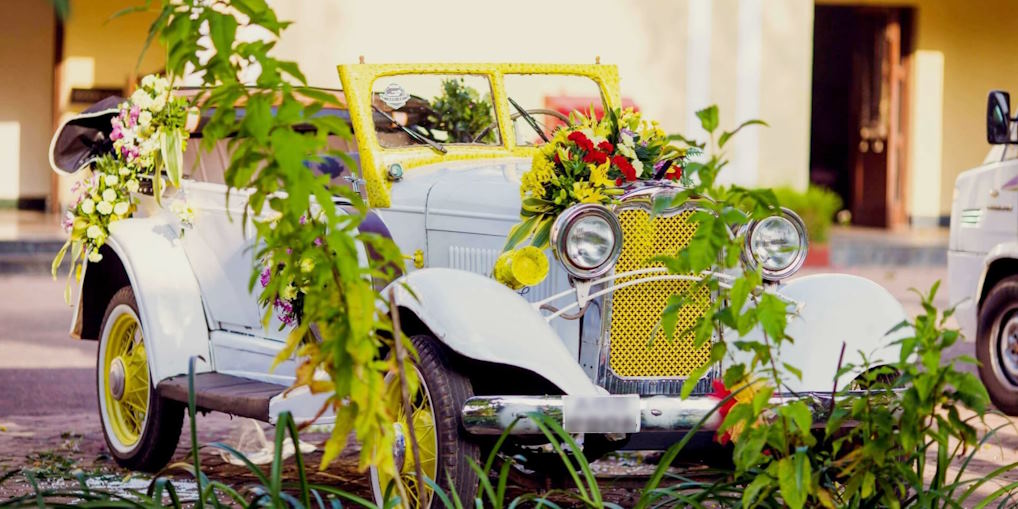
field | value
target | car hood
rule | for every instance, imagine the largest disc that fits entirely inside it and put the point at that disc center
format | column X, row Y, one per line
column 465, row 196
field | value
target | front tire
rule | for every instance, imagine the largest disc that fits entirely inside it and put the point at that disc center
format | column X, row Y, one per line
column 997, row 345
column 141, row 429
column 445, row 454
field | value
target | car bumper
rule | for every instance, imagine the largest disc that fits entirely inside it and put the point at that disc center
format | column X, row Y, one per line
column 493, row 415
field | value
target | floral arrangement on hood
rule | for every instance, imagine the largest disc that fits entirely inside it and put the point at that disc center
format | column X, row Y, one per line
column 148, row 132
column 591, row 161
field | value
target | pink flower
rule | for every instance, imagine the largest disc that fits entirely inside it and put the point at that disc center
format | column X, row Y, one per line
column 266, row 277
column 68, row 222
column 135, row 111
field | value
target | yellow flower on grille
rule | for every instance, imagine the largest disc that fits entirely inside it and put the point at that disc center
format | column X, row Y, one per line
column 526, row 266
column 584, row 193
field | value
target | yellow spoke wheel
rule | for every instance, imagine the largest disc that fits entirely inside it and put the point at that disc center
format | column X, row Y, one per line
column 125, row 369
column 443, row 454
column 141, row 428
column 423, row 419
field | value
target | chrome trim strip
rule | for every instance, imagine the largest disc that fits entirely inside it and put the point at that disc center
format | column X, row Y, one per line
column 493, row 415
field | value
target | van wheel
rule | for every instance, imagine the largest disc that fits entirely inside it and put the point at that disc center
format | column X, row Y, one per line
column 141, row 429
column 435, row 413
column 997, row 345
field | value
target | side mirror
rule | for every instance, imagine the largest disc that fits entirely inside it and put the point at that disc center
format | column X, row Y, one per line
column 998, row 118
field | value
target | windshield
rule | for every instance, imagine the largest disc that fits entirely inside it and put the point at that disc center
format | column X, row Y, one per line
column 434, row 110
column 549, row 99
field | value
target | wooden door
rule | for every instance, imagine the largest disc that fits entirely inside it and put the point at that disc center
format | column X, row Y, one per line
column 879, row 92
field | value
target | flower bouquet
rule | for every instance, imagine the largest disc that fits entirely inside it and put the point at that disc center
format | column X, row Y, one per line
column 591, row 161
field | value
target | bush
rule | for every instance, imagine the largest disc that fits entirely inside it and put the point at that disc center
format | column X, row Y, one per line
column 816, row 206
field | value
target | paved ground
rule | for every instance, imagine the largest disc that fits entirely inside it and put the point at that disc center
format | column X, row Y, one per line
column 47, row 387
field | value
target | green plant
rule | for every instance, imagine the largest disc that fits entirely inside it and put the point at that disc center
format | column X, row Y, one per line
column 307, row 238
column 461, row 112
column 816, row 206
column 908, row 409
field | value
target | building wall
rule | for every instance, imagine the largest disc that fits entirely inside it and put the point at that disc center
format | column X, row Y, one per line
column 26, row 97
column 101, row 52
column 963, row 50
column 674, row 57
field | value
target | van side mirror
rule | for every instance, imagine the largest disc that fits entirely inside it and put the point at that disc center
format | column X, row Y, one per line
column 998, row 118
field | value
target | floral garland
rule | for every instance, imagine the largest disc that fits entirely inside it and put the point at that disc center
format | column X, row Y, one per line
column 293, row 284
column 588, row 162
column 148, row 132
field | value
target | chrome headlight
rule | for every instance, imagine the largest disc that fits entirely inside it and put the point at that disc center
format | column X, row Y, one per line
column 777, row 244
column 587, row 239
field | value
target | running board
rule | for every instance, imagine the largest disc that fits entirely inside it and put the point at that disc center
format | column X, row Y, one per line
column 224, row 393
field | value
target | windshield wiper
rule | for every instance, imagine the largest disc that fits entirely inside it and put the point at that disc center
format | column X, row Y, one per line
column 416, row 136
column 530, row 120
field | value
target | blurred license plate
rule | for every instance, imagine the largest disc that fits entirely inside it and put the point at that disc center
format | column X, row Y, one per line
column 601, row 414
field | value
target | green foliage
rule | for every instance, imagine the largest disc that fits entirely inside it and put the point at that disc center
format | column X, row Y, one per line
column 295, row 220
column 908, row 410
column 816, row 206
column 461, row 112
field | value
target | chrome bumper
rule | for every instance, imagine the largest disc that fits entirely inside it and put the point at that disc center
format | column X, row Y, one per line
column 492, row 415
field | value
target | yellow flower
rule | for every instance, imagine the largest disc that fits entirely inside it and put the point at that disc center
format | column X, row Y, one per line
column 599, row 175
column 584, row 193
column 526, row 266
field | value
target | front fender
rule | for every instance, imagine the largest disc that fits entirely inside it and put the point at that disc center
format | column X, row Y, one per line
column 483, row 320
column 836, row 309
column 169, row 299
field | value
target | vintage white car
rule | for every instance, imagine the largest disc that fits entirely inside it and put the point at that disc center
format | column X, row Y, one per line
column 574, row 347
column 982, row 255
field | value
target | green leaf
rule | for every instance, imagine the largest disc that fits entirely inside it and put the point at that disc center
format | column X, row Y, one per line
column 542, row 232
column 708, row 118
column 223, row 31
column 520, row 232
column 172, row 150
column 726, row 135
column 794, row 479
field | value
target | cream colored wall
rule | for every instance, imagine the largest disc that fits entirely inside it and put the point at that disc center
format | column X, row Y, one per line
column 26, row 96
column 656, row 45
column 964, row 49
column 102, row 52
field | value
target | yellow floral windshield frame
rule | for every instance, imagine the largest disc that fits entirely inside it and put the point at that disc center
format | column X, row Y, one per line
column 357, row 81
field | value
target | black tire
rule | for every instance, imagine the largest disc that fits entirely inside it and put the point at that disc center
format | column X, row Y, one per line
column 999, row 307
column 163, row 419
column 449, row 390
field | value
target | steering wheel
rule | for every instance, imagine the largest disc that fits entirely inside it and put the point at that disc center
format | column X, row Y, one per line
column 515, row 116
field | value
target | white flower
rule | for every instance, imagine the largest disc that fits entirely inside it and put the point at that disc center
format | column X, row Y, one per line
column 627, row 140
column 148, row 81
column 132, row 186
column 158, row 103
column 120, row 208
column 141, row 99
column 109, row 195
column 94, row 232
column 105, row 208
column 638, row 166
column 144, row 118
column 111, row 180
column 94, row 256
column 124, row 171
column 88, row 206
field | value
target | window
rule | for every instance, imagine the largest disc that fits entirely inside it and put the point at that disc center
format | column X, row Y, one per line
column 550, row 99
column 415, row 109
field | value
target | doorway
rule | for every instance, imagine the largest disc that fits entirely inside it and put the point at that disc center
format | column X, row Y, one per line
column 859, row 142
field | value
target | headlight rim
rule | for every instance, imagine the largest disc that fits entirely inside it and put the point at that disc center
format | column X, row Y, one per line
column 559, row 233
column 800, row 258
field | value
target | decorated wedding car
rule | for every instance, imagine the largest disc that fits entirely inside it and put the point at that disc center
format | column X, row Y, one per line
column 530, row 284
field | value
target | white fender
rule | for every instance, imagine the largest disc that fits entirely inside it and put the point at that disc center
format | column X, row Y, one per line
column 836, row 309
column 169, row 299
column 481, row 319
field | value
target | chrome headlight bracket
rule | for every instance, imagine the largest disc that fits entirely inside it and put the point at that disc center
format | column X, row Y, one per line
column 801, row 249
column 560, row 237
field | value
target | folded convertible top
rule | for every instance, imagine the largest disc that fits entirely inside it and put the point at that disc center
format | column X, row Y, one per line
column 84, row 137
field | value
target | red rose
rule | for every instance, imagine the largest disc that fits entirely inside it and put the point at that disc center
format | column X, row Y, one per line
column 625, row 167
column 581, row 141
column 557, row 161
column 606, row 147
column 596, row 157
column 618, row 182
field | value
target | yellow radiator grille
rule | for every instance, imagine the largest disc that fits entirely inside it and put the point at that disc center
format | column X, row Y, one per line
column 636, row 309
